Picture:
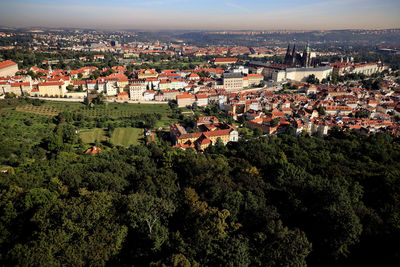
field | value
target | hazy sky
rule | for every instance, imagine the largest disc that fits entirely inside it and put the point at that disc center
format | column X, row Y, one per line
column 202, row 14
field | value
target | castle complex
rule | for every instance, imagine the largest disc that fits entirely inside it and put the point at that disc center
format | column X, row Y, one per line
column 295, row 59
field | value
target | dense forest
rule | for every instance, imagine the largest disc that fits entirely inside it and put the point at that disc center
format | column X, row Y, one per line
column 264, row 201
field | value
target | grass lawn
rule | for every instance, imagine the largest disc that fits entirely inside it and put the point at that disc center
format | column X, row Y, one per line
column 120, row 136
column 126, row 136
column 91, row 135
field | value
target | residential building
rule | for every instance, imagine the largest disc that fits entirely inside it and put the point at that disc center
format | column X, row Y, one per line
column 98, row 57
column 169, row 94
column 8, row 68
column 52, row 89
column 123, row 96
column 21, row 88
column 208, row 135
column 202, row 100
column 149, row 95
column 225, row 61
column 232, row 81
column 136, row 91
column 147, row 73
column 254, row 79
column 185, row 100
column 111, row 89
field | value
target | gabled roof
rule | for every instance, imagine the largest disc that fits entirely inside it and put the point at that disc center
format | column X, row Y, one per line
column 226, row 59
column 20, row 84
column 184, row 96
column 201, row 96
column 7, row 63
column 51, row 84
column 93, row 150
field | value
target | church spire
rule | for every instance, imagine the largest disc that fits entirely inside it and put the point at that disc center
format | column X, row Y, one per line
column 307, row 55
column 294, row 56
column 288, row 56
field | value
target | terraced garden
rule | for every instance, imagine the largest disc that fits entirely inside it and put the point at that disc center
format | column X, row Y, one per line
column 109, row 109
column 40, row 110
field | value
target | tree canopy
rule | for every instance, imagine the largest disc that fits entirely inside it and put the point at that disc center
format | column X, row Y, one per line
column 263, row 201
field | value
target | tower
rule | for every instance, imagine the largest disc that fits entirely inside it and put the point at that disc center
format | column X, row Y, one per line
column 294, row 58
column 288, row 58
column 308, row 64
column 306, row 58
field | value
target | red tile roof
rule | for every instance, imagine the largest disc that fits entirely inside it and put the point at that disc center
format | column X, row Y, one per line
column 255, row 75
column 184, row 96
column 201, row 96
column 7, row 63
column 51, row 84
column 93, row 150
column 78, row 82
column 227, row 59
column 20, row 84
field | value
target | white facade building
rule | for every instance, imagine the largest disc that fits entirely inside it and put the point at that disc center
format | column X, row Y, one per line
column 136, row 91
column 301, row 74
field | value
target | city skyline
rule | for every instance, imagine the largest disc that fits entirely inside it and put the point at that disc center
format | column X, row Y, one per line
column 207, row 15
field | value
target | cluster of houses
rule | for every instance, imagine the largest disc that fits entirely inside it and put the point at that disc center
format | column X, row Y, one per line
column 185, row 86
column 317, row 109
column 207, row 131
column 143, row 85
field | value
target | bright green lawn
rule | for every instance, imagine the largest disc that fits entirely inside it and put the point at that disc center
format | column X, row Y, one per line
column 91, row 135
column 120, row 136
column 126, row 136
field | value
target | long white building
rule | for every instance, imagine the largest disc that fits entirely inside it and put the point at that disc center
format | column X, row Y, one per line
column 301, row 74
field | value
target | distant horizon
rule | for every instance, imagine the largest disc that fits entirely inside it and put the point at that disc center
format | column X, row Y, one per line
column 3, row 27
column 204, row 16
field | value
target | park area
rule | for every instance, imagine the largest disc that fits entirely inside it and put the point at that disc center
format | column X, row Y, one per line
column 113, row 123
